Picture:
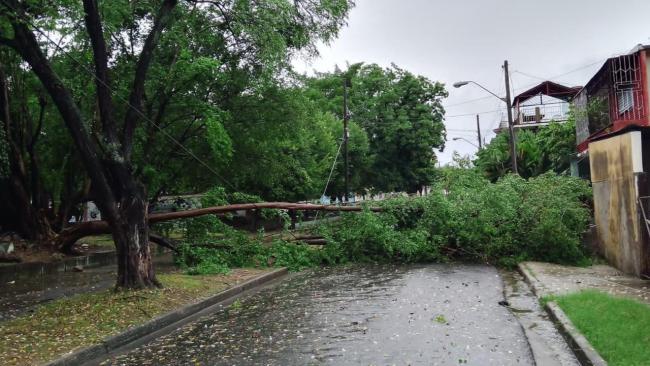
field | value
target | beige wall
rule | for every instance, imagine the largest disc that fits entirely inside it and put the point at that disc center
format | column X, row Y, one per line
column 615, row 163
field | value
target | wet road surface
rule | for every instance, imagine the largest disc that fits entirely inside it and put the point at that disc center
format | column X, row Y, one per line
column 359, row 315
column 24, row 294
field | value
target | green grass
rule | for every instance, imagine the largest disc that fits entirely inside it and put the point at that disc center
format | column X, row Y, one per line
column 618, row 328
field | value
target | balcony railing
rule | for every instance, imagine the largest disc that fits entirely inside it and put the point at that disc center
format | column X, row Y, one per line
column 538, row 114
column 541, row 113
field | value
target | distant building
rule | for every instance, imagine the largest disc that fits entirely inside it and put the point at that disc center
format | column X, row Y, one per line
column 540, row 105
column 613, row 144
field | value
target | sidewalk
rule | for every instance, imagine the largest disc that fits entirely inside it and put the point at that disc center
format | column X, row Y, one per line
column 554, row 279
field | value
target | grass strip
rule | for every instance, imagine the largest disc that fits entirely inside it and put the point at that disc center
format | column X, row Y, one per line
column 63, row 325
column 618, row 328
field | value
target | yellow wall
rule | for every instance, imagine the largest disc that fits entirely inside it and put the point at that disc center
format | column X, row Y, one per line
column 615, row 162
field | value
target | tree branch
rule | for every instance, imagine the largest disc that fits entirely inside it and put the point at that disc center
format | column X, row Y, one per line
column 163, row 18
column 27, row 46
column 163, row 242
column 104, row 99
column 69, row 236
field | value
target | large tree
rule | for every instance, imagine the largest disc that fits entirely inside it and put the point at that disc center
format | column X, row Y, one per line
column 124, row 40
column 402, row 116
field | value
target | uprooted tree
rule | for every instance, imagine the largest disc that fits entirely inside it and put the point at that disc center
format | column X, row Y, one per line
column 123, row 40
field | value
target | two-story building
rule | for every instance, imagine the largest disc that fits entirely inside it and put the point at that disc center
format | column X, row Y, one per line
column 613, row 143
column 539, row 105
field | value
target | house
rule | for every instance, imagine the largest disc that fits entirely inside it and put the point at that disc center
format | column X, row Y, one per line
column 540, row 105
column 613, row 144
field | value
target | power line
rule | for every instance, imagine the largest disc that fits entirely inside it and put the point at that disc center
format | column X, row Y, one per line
column 338, row 152
column 563, row 74
column 529, row 75
column 472, row 114
column 467, row 101
column 470, row 131
column 531, row 85
column 113, row 91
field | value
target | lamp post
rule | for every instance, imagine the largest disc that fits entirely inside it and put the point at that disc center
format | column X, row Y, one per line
column 506, row 99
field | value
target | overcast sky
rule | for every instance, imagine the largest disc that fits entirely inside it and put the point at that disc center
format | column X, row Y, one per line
column 561, row 40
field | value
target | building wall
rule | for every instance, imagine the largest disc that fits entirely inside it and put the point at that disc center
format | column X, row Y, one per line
column 616, row 165
column 645, row 61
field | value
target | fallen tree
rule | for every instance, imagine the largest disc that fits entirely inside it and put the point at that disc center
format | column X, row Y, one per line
column 69, row 236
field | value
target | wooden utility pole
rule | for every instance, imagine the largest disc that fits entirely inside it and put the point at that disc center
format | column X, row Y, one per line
column 478, row 131
column 511, row 131
column 346, row 136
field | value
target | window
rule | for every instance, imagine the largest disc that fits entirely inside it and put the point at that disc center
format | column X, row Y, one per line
column 625, row 100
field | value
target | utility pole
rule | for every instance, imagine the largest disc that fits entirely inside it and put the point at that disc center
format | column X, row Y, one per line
column 478, row 131
column 346, row 136
column 511, row 129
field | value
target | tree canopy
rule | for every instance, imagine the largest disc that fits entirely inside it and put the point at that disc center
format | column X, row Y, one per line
column 402, row 116
column 140, row 87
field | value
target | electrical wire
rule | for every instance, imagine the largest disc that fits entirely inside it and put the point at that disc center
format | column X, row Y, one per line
column 529, row 75
column 531, row 85
column 472, row 114
column 336, row 157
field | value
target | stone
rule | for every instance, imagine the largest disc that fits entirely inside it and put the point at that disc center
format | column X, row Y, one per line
column 78, row 269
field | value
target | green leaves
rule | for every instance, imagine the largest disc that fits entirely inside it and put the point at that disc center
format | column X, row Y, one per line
column 549, row 148
column 466, row 217
column 401, row 115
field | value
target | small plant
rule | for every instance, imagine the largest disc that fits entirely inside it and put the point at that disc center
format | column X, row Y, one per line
column 236, row 305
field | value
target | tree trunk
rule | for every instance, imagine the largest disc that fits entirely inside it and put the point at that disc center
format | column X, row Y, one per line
column 32, row 223
column 131, row 237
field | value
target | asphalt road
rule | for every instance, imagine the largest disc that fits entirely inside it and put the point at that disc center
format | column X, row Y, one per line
column 358, row 315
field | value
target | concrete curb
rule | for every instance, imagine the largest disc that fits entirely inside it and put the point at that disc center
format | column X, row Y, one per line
column 112, row 343
column 530, row 279
column 583, row 350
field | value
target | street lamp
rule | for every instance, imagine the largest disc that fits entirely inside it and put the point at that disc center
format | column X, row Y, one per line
column 511, row 132
column 466, row 140
column 463, row 83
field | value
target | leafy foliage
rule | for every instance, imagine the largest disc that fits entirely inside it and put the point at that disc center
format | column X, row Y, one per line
column 464, row 218
column 401, row 114
column 210, row 61
column 549, row 148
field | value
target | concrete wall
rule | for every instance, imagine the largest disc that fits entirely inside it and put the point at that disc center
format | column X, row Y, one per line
column 616, row 165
